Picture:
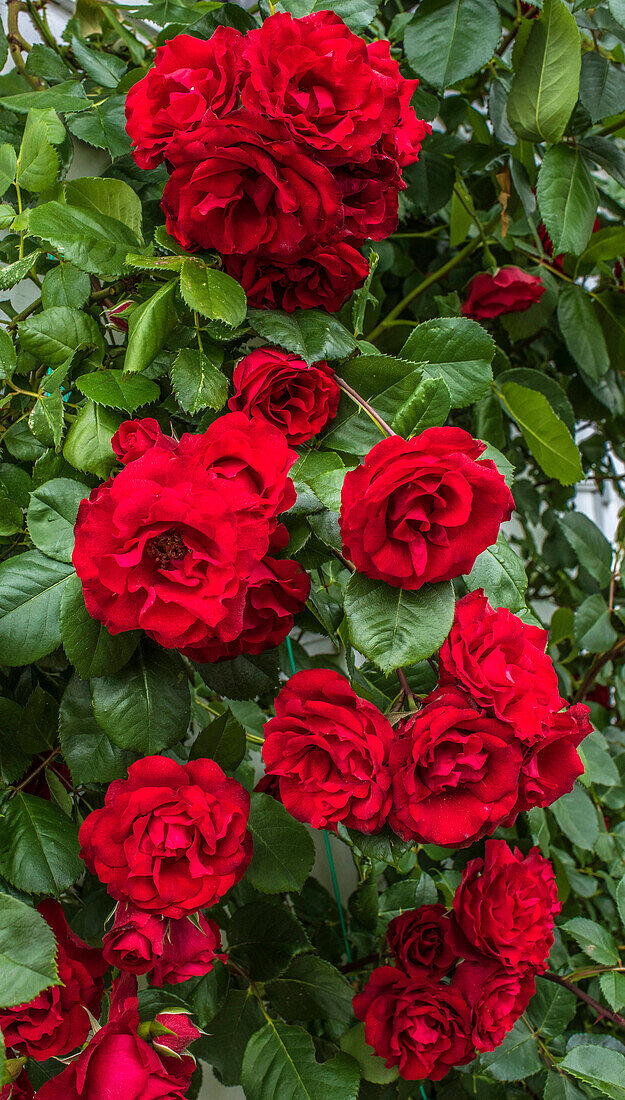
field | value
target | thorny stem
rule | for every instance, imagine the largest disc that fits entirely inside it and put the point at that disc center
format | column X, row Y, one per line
column 377, row 419
column 603, row 1013
column 32, row 775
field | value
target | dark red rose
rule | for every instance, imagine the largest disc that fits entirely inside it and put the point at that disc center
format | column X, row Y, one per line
column 171, row 838
column 179, row 1035
column 501, row 663
column 241, row 185
column 415, row 1022
column 134, row 437
column 545, row 240
column 190, row 76
column 330, row 749
column 118, row 1062
column 369, row 193
column 281, row 388
column 455, row 772
column 552, row 764
column 509, row 291
column 326, row 277
column 505, row 906
column 422, row 510
column 56, row 1022
column 135, row 941
column 421, row 939
column 20, row 1089
column 600, row 694
column 190, row 949
column 402, row 141
column 496, row 996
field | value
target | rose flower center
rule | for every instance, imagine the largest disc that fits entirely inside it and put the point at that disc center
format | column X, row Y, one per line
column 166, row 548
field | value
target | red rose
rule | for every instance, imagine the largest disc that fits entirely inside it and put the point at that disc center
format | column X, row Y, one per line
column 501, row 662
column 135, row 941
column 509, row 291
column 506, row 904
column 20, row 1089
column 552, row 764
column 189, row 77
column 171, row 838
column 421, row 939
column 134, row 437
column 242, row 185
column 180, row 1032
column 118, row 1062
column 422, row 510
column 455, row 772
column 56, row 1021
column 281, row 388
column 496, row 997
column 402, row 141
column 370, row 197
column 330, row 749
column 415, row 1022
column 326, row 277
column 189, row 950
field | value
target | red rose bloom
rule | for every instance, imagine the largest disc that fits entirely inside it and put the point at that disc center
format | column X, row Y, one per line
column 242, row 185
column 415, row 1022
column 281, row 388
column 330, row 749
column 370, row 197
column 327, row 276
column 496, row 996
column 421, row 939
column 171, row 838
column 134, row 437
column 509, row 291
column 422, row 510
column 501, row 662
column 552, row 765
column 505, row 906
column 117, row 1062
column 189, row 77
column 135, row 941
column 403, row 141
column 455, row 772
column 190, row 950
column 56, row 1021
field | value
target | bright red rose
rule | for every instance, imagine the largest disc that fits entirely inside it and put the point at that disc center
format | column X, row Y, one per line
column 21, row 1089
column 370, row 197
column 402, row 141
column 509, row 291
column 501, row 663
column 56, row 1022
column 421, row 939
column 181, row 1032
column 496, row 996
column 190, row 76
column 189, row 950
column 505, row 906
column 455, row 772
column 135, row 941
column 552, row 765
column 242, row 185
column 134, row 437
column 117, row 1062
column 171, row 838
column 415, row 1022
column 281, row 388
column 326, row 277
column 330, row 749
column 422, row 510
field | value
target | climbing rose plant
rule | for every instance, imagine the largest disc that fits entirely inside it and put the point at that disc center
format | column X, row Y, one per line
column 312, row 681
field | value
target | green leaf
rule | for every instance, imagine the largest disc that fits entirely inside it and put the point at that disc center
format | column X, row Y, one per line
column 38, row 846
column 582, row 331
column 65, row 97
column 547, row 437
column 448, row 40
column 198, row 382
column 280, row 1064
column 145, row 707
column 591, row 547
column 602, row 87
column 8, row 166
column 44, row 62
column 46, row 419
column 228, row 1033
column 27, row 953
column 372, row 1067
column 88, row 443
column 87, row 643
column 617, row 10
column 310, row 989
column 54, row 336
column 457, row 350
column 604, row 244
column 395, row 627
column 104, row 126
column 149, row 326
column 516, row 1058
column 112, row 198
column 546, row 83
column 222, row 741
column 593, row 629
column 403, row 895
column 551, row 1009
column 264, row 937
column 112, row 388
column 428, row 406
column 90, row 756
column 244, row 678
column 15, row 272
column 600, row 766
column 567, row 198
column 595, row 941
column 212, row 293
column 91, row 241
column 600, row 1067
column 613, row 989
column 52, row 514
column 8, row 355
column 38, row 163
column 501, row 573
column 620, row 900
column 103, row 68
column 559, row 1087
column 31, row 586
column 576, row 816
column 311, row 334
column 283, row 853
column 65, row 285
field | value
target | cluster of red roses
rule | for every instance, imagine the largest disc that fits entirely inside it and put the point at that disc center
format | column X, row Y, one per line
column 182, row 541
column 490, row 741
column 461, row 980
column 285, row 148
